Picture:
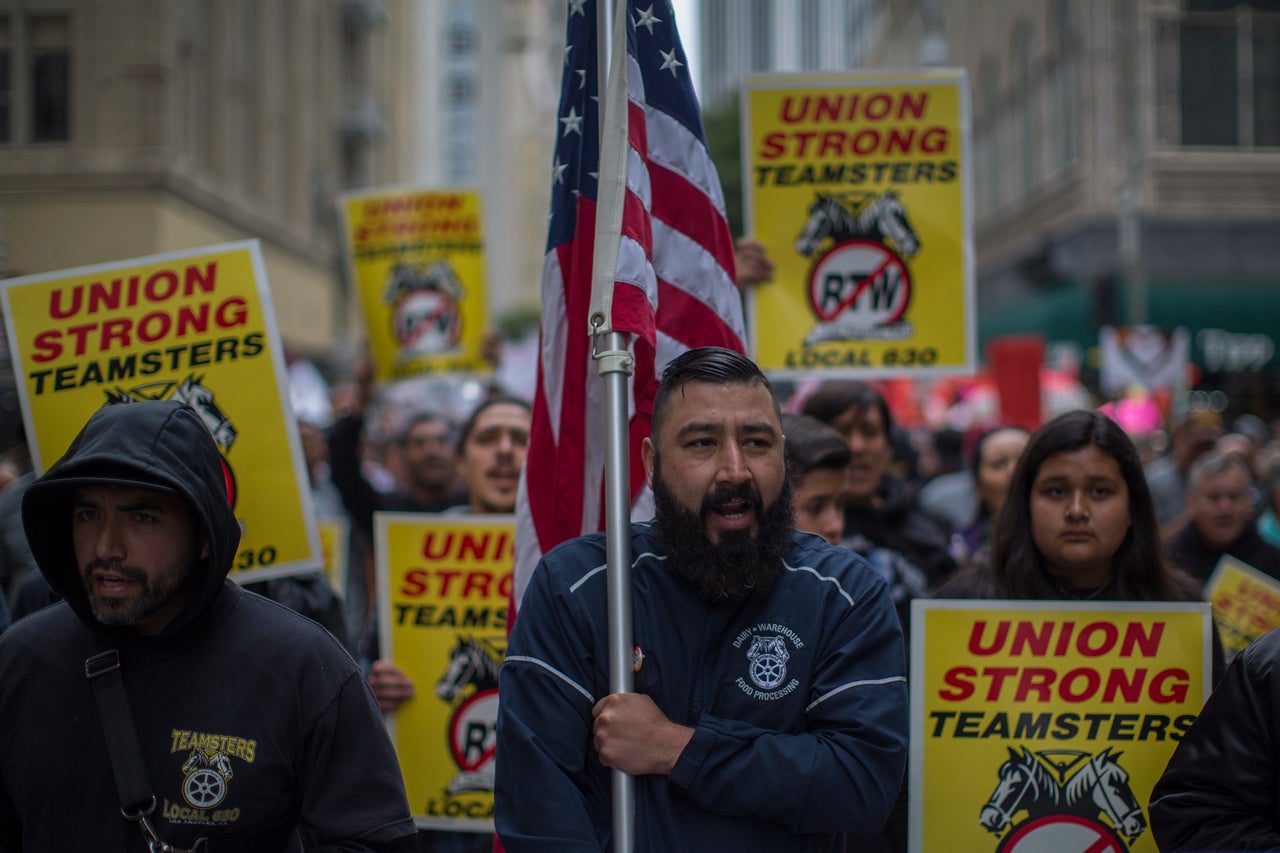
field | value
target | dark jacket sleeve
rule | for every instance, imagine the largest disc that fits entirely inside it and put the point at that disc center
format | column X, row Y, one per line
column 358, row 495
column 1219, row 790
column 10, row 828
column 545, row 729
column 354, row 801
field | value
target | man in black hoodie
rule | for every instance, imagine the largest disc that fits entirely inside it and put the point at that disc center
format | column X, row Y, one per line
column 255, row 730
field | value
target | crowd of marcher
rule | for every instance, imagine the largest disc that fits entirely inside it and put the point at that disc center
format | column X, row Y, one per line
column 1068, row 511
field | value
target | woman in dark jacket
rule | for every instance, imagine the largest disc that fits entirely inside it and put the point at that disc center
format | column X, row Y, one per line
column 1078, row 524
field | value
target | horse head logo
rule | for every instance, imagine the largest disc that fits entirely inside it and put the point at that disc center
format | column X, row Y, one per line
column 1024, row 782
column 198, row 396
column 858, row 216
column 1085, row 786
column 472, row 663
column 1106, row 785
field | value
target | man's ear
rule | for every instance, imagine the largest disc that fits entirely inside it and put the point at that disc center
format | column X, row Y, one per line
column 647, row 454
column 204, row 548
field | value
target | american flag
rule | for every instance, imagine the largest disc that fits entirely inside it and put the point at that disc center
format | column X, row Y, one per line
column 674, row 287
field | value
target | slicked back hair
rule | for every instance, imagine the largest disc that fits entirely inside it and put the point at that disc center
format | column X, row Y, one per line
column 710, row 366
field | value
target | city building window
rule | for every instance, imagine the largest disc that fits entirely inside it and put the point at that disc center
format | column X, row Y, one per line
column 193, row 69
column 49, row 37
column 1207, row 90
column 245, row 82
column 6, row 82
column 280, row 83
column 461, row 40
column 987, row 175
column 462, row 89
column 811, row 24
column 1220, row 74
column 1062, row 84
column 761, row 35
column 1266, row 81
column 1026, row 102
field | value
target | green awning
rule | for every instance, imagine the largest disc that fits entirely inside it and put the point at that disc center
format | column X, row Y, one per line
column 1066, row 312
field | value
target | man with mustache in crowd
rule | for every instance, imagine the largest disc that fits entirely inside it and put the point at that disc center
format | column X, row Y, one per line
column 770, row 710
column 491, row 451
column 425, row 469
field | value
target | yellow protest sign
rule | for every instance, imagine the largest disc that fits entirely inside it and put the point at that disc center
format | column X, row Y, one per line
column 194, row 326
column 1044, row 725
column 335, row 536
column 858, row 185
column 443, row 586
column 1246, row 603
column 417, row 257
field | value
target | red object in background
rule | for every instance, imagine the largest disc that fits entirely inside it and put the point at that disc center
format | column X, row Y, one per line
column 901, row 394
column 1014, row 361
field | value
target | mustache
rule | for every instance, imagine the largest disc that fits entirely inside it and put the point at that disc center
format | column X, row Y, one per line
column 114, row 568
column 726, row 493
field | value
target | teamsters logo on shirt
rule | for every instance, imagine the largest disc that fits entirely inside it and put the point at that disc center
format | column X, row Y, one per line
column 206, row 775
column 767, row 656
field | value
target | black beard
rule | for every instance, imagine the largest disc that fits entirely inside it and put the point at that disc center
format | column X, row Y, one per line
column 740, row 563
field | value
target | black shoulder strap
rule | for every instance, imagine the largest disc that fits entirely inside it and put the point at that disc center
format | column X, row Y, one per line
column 103, row 671
column 136, row 800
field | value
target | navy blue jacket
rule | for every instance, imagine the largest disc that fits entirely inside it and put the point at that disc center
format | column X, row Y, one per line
column 797, row 695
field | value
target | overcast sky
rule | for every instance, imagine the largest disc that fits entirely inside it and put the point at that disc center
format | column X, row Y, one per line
column 687, row 23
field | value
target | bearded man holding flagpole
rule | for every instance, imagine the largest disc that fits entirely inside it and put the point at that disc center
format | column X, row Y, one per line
column 769, row 710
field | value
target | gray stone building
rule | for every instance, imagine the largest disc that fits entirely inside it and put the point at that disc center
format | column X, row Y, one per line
column 1126, row 155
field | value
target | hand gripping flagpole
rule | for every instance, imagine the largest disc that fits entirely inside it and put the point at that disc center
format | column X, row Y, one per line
column 615, row 365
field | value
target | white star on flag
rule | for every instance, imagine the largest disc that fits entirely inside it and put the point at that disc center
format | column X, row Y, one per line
column 647, row 19
column 669, row 61
column 573, row 122
column 674, row 286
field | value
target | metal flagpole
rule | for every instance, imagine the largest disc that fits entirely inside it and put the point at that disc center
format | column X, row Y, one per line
column 615, row 366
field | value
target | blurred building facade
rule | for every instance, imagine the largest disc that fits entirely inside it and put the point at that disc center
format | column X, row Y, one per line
column 484, row 115
column 1126, row 157
column 132, row 127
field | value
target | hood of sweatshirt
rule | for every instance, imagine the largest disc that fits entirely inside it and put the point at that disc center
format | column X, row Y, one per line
column 159, row 445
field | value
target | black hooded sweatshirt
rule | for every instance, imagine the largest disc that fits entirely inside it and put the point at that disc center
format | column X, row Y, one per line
column 257, row 730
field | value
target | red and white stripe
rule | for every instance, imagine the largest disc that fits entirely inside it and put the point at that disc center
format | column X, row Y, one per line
column 675, row 291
